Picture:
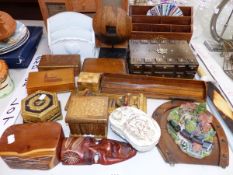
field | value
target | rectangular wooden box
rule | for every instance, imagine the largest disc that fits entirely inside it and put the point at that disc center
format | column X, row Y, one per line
column 154, row 87
column 89, row 80
column 60, row 80
column 162, row 58
column 51, row 62
column 105, row 65
column 88, row 116
column 169, row 27
column 32, row 146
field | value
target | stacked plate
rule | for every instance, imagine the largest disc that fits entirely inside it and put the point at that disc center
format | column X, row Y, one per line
column 20, row 36
column 166, row 9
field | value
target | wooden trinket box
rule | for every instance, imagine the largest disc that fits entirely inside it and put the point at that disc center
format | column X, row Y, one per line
column 88, row 116
column 32, row 146
column 60, row 80
column 105, row 65
column 162, row 58
column 41, row 106
column 88, row 80
column 51, row 62
column 154, row 87
column 169, row 27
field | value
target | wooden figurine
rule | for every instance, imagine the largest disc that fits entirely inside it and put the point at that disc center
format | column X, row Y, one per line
column 32, row 146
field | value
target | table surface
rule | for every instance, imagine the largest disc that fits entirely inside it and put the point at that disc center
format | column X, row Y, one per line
column 143, row 163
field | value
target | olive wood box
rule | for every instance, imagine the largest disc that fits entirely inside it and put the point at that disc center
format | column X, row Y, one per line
column 89, row 80
column 105, row 65
column 32, row 146
column 60, row 80
column 51, row 62
column 88, row 116
column 169, row 27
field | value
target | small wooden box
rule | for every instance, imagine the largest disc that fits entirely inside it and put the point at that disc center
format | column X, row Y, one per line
column 41, row 106
column 51, row 62
column 88, row 80
column 88, row 116
column 60, row 80
column 169, row 27
column 32, row 146
column 105, row 65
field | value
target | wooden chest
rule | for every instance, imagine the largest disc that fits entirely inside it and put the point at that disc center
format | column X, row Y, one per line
column 169, row 27
column 162, row 58
column 32, row 146
column 60, row 80
column 88, row 116
column 105, row 65
column 88, row 80
column 41, row 106
column 50, row 62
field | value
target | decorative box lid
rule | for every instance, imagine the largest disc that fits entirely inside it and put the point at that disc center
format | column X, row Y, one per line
column 87, row 110
column 40, row 106
column 59, row 61
column 3, row 70
column 26, row 139
column 88, row 77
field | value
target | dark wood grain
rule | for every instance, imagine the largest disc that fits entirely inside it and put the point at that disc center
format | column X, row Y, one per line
column 172, row 153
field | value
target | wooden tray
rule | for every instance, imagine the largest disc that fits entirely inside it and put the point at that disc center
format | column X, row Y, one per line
column 154, row 87
column 172, row 153
column 169, row 27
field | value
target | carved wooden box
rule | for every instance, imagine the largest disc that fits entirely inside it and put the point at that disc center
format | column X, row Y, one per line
column 41, row 106
column 32, row 146
column 88, row 116
column 162, row 58
column 105, row 65
column 60, row 80
column 88, row 80
column 50, row 62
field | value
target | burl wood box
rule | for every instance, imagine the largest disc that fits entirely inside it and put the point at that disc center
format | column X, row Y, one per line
column 88, row 116
column 169, row 27
column 164, row 58
column 105, row 65
column 41, row 106
column 89, row 80
column 60, row 80
column 50, row 62
column 32, row 146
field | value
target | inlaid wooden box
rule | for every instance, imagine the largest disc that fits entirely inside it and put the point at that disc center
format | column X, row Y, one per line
column 32, row 146
column 88, row 80
column 105, row 65
column 51, row 62
column 60, row 80
column 88, row 116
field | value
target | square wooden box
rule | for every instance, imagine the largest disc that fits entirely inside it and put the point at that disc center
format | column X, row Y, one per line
column 51, row 62
column 88, row 80
column 88, row 116
column 168, row 27
column 32, row 146
column 60, row 80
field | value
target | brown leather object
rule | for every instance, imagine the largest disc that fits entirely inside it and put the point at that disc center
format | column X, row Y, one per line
column 111, row 23
column 3, row 71
column 154, row 87
column 7, row 25
column 172, row 153
column 51, row 62
column 88, row 115
column 88, row 150
column 105, row 65
column 60, row 80
column 32, row 146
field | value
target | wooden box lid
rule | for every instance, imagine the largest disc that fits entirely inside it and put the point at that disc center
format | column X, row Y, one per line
column 89, row 77
column 87, row 110
column 59, row 80
column 31, row 139
column 105, row 65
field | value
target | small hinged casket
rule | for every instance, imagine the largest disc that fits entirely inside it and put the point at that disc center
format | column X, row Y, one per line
column 88, row 80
